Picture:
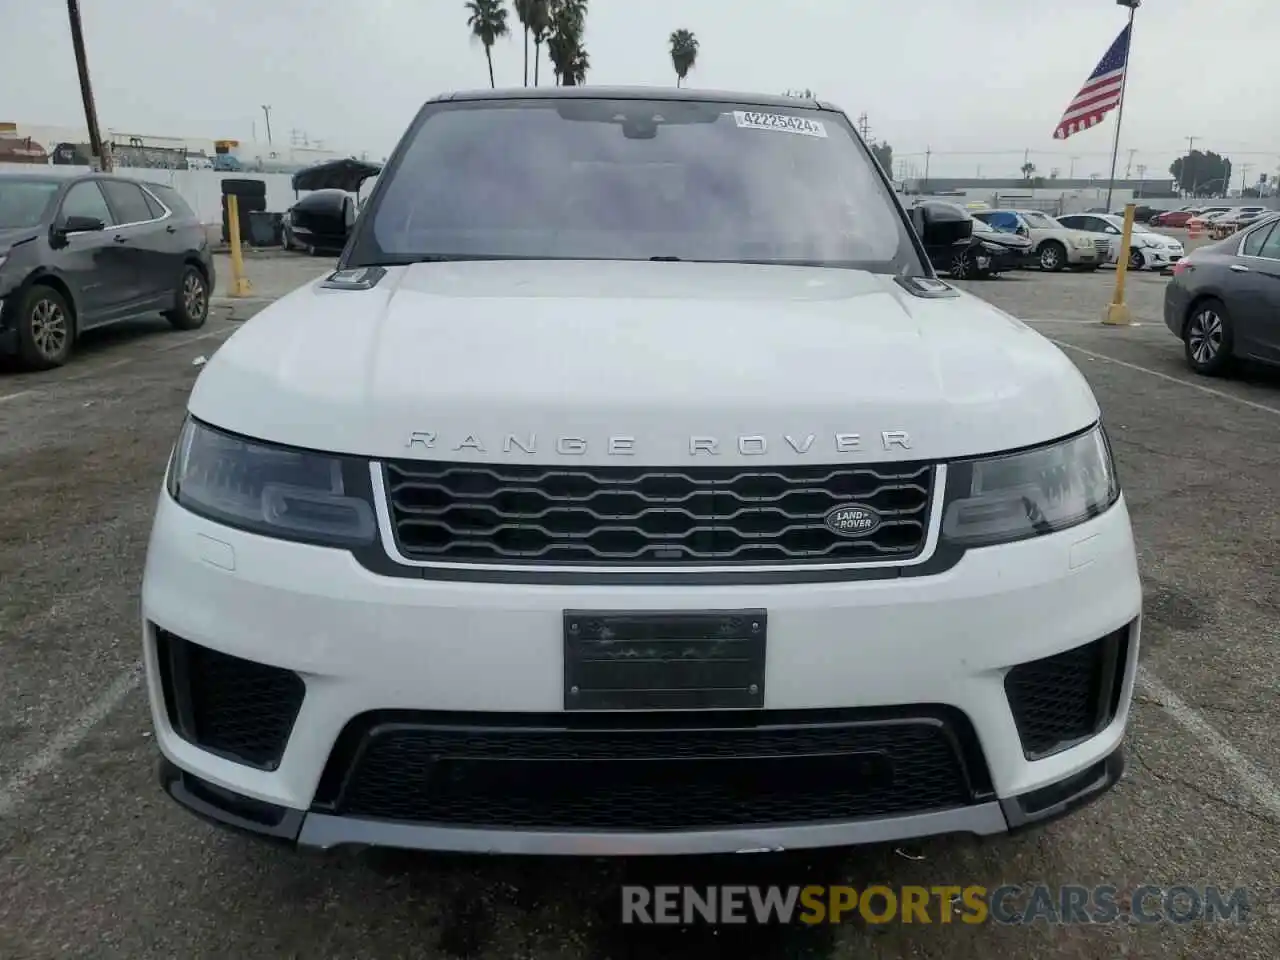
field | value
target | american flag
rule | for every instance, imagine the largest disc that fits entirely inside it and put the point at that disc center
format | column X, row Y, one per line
column 1100, row 93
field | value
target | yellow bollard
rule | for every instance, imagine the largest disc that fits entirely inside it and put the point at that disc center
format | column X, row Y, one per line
column 1117, row 314
column 239, row 282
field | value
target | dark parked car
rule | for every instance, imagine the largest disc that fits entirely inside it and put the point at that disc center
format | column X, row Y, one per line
column 1141, row 214
column 970, row 250
column 82, row 252
column 1224, row 300
column 322, row 220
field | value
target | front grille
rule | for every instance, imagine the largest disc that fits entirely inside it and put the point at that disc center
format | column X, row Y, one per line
column 1069, row 697
column 674, row 772
column 236, row 708
column 721, row 515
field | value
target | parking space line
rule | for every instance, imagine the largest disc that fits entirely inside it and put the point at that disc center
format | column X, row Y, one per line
column 204, row 336
column 15, row 396
column 1263, row 789
column 13, row 790
column 1220, row 394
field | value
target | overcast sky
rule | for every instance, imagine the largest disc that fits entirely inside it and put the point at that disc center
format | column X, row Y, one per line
column 965, row 77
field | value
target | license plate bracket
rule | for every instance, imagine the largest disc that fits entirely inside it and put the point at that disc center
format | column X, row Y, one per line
column 664, row 660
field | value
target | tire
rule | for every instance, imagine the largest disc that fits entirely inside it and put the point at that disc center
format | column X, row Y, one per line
column 191, row 301
column 1136, row 260
column 1053, row 256
column 46, row 329
column 1208, row 338
column 961, row 266
column 244, row 187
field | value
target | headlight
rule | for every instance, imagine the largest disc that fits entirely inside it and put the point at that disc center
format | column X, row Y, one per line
column 992, row 247
column 275, row 491
column 1027, row 494
column 1082, row 243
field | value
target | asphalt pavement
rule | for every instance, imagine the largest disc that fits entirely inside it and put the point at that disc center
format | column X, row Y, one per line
column 96, row 862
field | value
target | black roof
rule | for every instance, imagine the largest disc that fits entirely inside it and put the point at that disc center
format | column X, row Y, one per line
column 636, row 93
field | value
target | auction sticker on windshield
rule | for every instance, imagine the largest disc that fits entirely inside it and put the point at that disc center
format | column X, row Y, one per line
column 778, row 121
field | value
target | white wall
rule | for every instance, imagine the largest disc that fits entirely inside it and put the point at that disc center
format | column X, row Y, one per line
column 200, row 188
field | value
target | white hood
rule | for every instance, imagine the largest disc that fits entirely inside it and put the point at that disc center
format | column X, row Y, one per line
column 452, row 360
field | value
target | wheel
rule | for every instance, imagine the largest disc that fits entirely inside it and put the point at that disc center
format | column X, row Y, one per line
column 1053, row 256
column 1208, row 339
column 191, row 301
column 46, row 330
column 961, row 266
column 1136, row 260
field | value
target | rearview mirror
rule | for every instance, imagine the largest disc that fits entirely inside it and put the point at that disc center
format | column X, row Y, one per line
column 940, row 226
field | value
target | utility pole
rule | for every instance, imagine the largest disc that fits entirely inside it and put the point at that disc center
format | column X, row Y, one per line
column 864, row 127
column 1142, row 177
column 1191, row 143
column 1129, row 164
column 1244, row 174
column 1071, row 175
column 266, row 109
column 96, row 146
column 928, row 153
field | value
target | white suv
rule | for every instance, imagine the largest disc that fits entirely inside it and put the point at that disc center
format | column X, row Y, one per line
column 634, row 487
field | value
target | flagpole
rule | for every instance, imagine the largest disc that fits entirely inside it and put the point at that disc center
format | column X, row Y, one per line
column 1124, row 82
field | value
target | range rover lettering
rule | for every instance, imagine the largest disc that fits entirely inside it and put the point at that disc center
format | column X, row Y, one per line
column 634, row 486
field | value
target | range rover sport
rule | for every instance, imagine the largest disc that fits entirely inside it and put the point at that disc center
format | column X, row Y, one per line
column 633, row 486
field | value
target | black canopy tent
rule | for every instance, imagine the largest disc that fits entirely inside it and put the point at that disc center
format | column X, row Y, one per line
column 346, row 174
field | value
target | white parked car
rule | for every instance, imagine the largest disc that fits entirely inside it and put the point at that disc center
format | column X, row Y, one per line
column 1054, row 245
column 599, row 503
column 1148, row 250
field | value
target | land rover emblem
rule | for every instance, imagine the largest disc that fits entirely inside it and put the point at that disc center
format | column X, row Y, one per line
column 852, row 520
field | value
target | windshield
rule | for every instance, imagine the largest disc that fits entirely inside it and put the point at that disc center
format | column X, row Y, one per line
column 634, row 180
column 23, row 202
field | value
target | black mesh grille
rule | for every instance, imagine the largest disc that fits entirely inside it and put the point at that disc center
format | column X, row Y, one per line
column 229, row 706
column 585, row 777
column 521, row 512
column 1066, row 698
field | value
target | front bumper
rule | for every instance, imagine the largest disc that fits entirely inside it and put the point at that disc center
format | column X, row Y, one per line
column 1162, row 258
column 436, row 680
column 1084, row 257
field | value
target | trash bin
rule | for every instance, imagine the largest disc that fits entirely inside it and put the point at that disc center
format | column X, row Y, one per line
column 265, row 229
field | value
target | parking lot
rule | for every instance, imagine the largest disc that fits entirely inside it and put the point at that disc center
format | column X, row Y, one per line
column 95, row 861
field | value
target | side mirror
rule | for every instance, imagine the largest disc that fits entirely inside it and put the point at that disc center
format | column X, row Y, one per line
column 940, row 226
column 68, row 225
column 62, row 229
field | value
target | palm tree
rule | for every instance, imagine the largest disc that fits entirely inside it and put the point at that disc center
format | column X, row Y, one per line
column 684, row 53
column 488, row 22
column 539, row 24
column 578, row 67
column 564, row 41
column 524, row 13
